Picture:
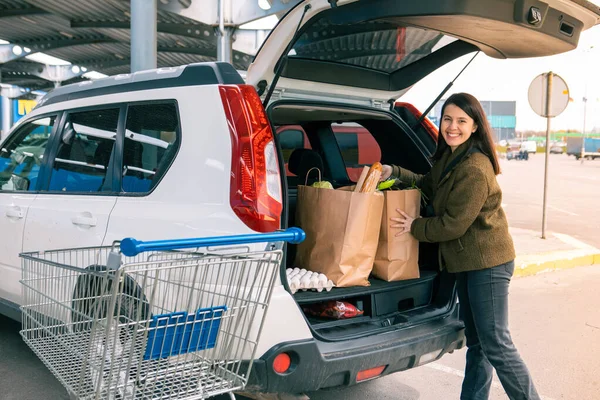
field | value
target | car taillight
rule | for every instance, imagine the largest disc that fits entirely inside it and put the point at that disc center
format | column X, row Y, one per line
column 255, row 192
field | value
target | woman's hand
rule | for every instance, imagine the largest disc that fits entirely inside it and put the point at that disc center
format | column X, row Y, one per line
column 386, row 172
column 404, row 222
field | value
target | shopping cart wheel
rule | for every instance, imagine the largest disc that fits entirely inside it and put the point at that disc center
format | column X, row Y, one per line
column 91, row 299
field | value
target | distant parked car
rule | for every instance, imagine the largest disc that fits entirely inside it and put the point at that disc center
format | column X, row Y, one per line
column 514, row 152
column 556, row 149
column 529, row 146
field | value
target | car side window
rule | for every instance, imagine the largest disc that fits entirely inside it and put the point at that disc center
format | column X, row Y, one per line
column 22, row 154
column 85, row 149
column 151, row 141
column 358, row 147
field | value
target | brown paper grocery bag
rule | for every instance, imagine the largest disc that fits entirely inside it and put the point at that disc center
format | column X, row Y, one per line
column 397, row 257
column 342, row 232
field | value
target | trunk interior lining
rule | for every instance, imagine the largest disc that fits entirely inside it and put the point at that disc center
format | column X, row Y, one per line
column 386, row 305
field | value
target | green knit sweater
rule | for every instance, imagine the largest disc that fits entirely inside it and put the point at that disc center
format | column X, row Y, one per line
column 470, row 224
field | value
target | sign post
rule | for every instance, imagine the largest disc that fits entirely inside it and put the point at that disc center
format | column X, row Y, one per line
column 548, row 97
column 583, row 133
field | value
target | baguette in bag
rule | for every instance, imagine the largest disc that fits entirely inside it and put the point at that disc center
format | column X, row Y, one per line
column 369, row 178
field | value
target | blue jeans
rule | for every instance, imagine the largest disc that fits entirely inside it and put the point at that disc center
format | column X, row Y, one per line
column 483, row 299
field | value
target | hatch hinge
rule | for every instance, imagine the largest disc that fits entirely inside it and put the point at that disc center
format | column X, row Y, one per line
column 277, row 94
column 378, row 103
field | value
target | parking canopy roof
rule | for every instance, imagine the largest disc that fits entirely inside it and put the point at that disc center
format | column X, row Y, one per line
column 94, row 35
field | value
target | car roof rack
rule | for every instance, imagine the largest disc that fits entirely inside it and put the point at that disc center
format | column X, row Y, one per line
column 208, row 73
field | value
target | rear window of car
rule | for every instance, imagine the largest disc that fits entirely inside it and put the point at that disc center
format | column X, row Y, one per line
column 357, row 146
column 151, row 141
column 377, row 44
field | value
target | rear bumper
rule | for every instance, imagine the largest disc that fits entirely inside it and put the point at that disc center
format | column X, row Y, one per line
column 318, row 365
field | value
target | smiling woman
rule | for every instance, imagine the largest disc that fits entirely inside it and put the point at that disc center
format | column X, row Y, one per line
column 463, row 118
column 468, row 222
column 457, row 126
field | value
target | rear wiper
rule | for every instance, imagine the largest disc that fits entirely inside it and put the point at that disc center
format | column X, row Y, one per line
column 426, row 112
column 283, row 61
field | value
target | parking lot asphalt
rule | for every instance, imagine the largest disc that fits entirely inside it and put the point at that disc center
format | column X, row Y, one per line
column 22, row 375
column 554, row 317
column 573, row 194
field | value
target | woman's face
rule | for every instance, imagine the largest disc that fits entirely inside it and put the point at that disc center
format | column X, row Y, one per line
column 457, row 127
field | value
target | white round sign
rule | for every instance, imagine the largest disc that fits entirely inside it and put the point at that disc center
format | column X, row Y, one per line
column 559, row 95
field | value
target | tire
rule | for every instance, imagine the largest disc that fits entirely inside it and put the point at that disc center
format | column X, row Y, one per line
column 131, row 300
column 105, row 351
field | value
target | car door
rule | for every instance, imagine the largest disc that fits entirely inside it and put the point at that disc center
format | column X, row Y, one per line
column 77, row 197
column 146, row 208
column 21, row 159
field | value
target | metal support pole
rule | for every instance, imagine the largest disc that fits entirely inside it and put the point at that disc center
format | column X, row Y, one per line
column 7, row 115
column 224, row 45
column 583, row 133
column 225, row 42
column 143, row 35
column 548, row 119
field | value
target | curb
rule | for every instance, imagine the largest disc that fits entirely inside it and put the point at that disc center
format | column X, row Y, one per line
column 554, row 261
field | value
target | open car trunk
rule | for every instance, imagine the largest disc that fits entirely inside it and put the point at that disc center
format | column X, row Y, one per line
column 359, row 57
column 346, row 139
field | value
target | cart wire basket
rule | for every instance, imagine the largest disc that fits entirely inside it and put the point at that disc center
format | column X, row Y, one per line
column 150, row 320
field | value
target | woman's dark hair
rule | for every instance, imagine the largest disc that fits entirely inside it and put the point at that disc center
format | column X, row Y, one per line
column 482, row 137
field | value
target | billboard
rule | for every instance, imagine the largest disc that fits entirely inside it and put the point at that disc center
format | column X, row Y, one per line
column 22, row 108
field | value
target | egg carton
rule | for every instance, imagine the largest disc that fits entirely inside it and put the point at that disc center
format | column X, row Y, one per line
column 302, row 279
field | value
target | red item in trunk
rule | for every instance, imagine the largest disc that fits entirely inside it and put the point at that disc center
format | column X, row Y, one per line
column 333, row 309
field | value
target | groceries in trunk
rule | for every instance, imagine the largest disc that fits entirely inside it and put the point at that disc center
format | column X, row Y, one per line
column 320, row 183
column 397, row 257
column 333, row 309
column 301, row 279
column 348, row 233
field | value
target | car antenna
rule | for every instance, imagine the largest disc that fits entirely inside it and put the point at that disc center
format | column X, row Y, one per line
column 283, row 61
column 422, row 117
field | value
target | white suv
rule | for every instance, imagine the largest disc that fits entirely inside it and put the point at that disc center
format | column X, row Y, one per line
column 190, row 152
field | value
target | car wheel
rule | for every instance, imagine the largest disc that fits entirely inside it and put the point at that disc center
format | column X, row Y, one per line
column 89, row 301
column 111, row 333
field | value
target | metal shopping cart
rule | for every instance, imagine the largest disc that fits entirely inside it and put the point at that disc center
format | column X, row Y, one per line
column 147, row 320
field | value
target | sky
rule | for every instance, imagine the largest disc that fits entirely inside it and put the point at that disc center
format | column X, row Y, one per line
column 492, row 79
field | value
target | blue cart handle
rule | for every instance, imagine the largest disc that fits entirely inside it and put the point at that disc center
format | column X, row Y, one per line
column 132, row 247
